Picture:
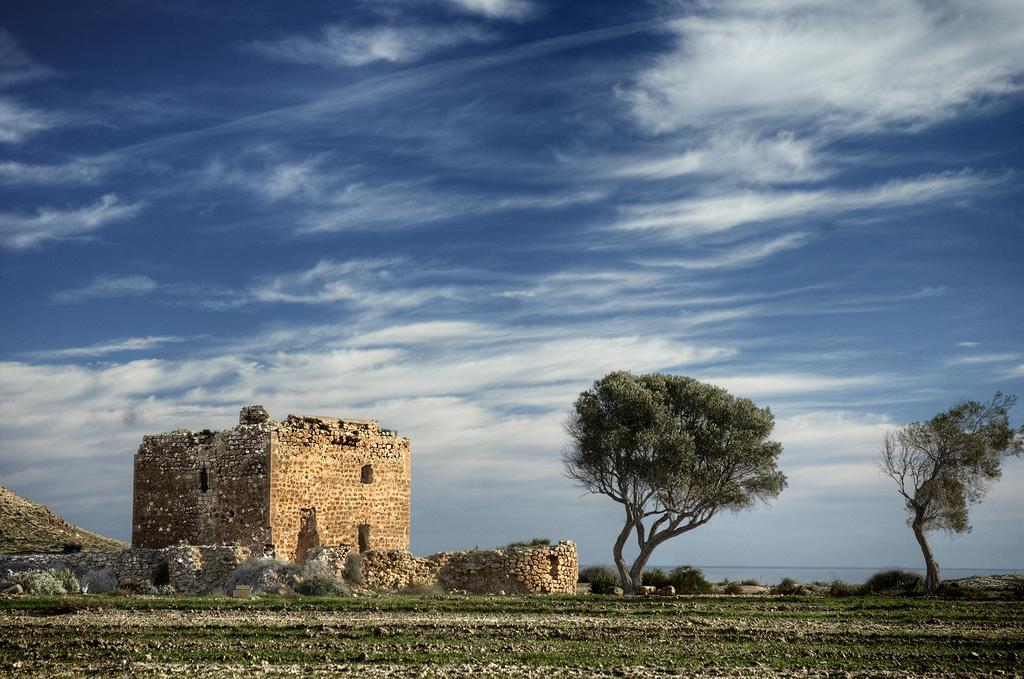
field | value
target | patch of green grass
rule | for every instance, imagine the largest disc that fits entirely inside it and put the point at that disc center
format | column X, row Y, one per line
column 97, row 634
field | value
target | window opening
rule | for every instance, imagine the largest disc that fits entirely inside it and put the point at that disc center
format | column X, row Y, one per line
column 204, row 481
column 366, row 474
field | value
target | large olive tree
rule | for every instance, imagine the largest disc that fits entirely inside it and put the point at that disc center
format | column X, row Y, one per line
column 674, row 452
column 947, row 463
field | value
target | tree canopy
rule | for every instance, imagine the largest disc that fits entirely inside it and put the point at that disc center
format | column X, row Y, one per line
column 947, row 463
column 673, row 451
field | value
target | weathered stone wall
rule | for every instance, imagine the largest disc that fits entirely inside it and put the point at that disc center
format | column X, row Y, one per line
column 334, row 558
column 140, row 567
column 517, row 570
column 397, row 569
column 189, row 569
column 78, row 563
column 203, row 487
column 201, row 569
column 293, row 485
column 352, row 472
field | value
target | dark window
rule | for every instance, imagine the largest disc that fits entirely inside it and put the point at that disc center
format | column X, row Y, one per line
column 204, row 481
column 553, row 563
column 364, row 537
column 366, row 474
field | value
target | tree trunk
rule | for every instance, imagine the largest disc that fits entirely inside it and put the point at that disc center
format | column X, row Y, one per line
column 636, row 573
column 931, row 580
column 620, row 562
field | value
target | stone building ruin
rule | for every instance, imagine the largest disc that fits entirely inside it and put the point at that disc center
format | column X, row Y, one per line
column 274, row 487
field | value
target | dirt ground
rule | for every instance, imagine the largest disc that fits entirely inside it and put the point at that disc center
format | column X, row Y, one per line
column 510, row 636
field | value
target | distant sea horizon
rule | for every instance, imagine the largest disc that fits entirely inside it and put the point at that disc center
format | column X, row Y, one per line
column 771, row 575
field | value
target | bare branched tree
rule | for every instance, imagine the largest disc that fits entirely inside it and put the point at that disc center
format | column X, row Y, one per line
column 674, row 452
column 948, row 463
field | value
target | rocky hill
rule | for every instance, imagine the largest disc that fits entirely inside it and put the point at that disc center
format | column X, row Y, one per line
column 28, row 527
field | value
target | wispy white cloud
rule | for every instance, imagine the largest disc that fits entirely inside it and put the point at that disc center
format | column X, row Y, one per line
column 360, row 282
column 718, row 213
column 16, row 66
column 498, row 9
column 968, row 345
column 853, row 67
column 108, row 286
column 339, row 45
column 745, row 254
column 743, row 156
column 781, row 384
column 78, row 172
column 18, row 232
column 18, row 122
column 106, row 348
column 980, row 359
column 272, row 176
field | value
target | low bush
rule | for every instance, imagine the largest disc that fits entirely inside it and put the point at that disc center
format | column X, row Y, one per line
column 893, row 580
column 950, row 590
column 752, row 582
column 603, row 581
column 101, row 581
column 587, row 573
column 788, row 587
column 143, row 589
column 423, row 589
column 689, row 580
column 71, row 547
column 656, row 577
column 534, row 542
column 841, row 588
column 263, row 576
column 317, row 580
column 52, row 583
column 732, row 587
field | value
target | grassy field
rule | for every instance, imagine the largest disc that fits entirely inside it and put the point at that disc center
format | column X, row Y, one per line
column 539, row 636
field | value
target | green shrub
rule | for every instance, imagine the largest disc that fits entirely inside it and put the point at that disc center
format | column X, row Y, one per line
column 534, row 542
column 318, row 581
column 68, row 581
column 71, row 547
column 751, row 582
column 656, row 577
column 99, row 581
column 788, row 587
column 51, row 583
column 423, row 589
column 732, row 587
column 950, row 590
column 893, row 580
column 689, row 580
column 603, row 581
column 263, row 576
column 841, row 588
column 588, row 573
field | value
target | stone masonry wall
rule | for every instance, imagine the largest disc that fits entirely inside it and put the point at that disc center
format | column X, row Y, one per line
column 334, row 559
column 190, row 569
column 201, row 569
column 78, row 563
column 517, row 570
column 203, row 487
column 351, row 471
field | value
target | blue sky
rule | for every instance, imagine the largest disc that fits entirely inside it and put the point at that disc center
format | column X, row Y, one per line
column 454, row 215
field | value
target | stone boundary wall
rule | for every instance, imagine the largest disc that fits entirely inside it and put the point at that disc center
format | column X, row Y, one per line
column 516, row 570
column 334, row 559
column 190, row 569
